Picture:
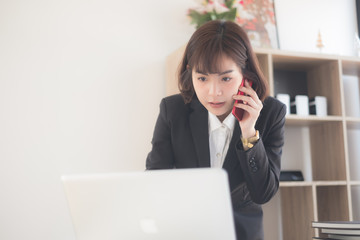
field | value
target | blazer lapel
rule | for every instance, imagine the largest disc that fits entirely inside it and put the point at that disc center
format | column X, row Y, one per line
column 198, row 120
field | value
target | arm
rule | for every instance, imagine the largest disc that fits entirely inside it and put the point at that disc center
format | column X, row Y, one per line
column 261, row 164
column 161, row 155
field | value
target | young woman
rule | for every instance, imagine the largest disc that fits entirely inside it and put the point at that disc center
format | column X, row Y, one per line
column 197, row 128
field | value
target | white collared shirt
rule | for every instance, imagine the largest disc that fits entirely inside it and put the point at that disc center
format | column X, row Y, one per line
column 219, row 138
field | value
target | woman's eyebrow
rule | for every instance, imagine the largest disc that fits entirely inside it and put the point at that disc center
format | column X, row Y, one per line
column 222, row 73
column 199, row 72
column 228, row 71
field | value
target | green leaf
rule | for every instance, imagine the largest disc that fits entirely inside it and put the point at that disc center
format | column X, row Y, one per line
column 229, row 15
column 199, row 19
column 204, row 18
column 213, row 15
column 229, row 3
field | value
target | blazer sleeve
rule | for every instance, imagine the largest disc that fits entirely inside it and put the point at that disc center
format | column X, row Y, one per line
column 161, row 156
column 261, row 164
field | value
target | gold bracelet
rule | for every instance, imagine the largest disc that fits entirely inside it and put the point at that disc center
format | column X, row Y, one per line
column 249, row 142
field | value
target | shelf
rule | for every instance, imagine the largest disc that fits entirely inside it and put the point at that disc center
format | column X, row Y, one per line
column 328, row 152
column 295, row 120
column 294, row 184
column 291, row 55
column 353, row 119
column 355, row 183
column 297, row 212
column 353, row 140
column 299, row 63
column 330, row 183
column 350, row 59
column 308, row 76
column 351, row 66
column 355, row 198
column 314, row 183
column 332, row 203
column 353, row 122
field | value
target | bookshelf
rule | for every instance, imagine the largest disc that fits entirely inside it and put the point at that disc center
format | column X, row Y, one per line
column 327, row 148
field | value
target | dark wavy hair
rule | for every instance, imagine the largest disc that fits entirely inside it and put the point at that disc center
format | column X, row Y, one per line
column 208, row 45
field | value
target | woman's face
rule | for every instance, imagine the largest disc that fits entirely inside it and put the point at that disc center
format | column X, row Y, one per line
column 215, row 90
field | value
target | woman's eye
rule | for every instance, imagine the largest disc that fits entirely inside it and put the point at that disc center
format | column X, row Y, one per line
column 226, row 79
column 203, row 79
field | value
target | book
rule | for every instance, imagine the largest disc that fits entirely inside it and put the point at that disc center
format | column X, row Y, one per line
column 337, row 224
column 343, row 237
column 355, row 232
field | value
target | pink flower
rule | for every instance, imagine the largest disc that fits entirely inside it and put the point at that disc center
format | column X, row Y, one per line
column 217, row 6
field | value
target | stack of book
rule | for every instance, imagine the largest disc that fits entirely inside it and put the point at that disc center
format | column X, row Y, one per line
column 338, row 230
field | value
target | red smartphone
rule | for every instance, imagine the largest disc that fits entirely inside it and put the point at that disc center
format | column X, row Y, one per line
column 238, row 112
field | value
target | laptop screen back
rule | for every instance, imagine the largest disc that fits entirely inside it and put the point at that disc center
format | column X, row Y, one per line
column 159, row 205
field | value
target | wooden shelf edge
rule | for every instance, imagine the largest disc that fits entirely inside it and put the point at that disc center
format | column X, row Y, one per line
column 353, row 122
column 293, row 119
column 285, row 53
column 330, row 183
column 313, row 55
column 295, row 184
column 350, row 59
column 353, row 119
column 315, row 183
column 315, row 118
column 355, row 183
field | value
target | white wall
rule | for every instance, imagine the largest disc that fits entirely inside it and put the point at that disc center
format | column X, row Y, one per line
column 80, row 85
column 299, row 22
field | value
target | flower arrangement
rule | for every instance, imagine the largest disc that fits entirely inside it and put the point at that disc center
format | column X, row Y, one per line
column 256, row 17
column 212, row 10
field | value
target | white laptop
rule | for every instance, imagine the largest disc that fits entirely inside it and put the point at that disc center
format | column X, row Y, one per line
column 151, row 205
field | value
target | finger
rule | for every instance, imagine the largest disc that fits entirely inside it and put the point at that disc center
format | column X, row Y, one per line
column 247, row 100
column 253, row 113
column 251, row 92
column 247, row 108
column 247, row 90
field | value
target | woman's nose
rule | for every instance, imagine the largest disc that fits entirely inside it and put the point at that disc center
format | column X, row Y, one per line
column 215, row 89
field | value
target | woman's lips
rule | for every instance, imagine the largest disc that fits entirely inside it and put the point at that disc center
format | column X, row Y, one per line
column 217, row 104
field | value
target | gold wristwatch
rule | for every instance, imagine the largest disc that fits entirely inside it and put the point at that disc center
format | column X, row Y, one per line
column 249, row 142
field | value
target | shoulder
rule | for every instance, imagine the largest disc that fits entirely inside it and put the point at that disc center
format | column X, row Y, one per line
column 273, row 110
column 176, row 99
column 273, row 105
column 174, row 102
column 173, row 106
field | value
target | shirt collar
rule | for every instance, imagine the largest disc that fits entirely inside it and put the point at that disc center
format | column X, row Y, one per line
column 214, row 122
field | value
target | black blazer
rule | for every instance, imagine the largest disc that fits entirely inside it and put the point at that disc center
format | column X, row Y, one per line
column 181, row 140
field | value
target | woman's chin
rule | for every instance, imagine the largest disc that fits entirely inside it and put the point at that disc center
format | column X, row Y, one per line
column 221, row 114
